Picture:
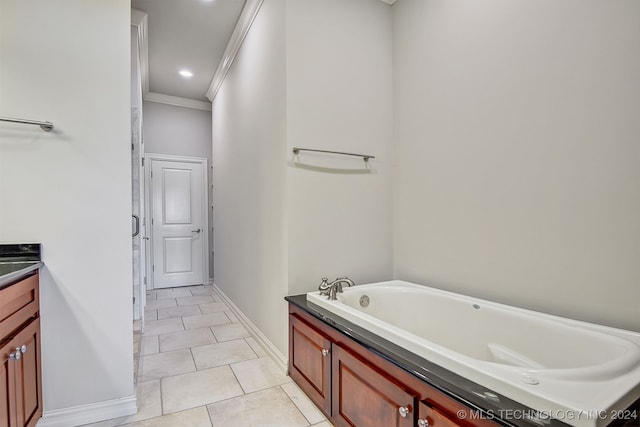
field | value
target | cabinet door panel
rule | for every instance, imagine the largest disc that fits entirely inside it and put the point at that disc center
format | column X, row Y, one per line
column 27, row 376
column 435, row 418
column 309, row 366
column 7, row 391
column 4, row 395
column 366, row 398
column 442, row 411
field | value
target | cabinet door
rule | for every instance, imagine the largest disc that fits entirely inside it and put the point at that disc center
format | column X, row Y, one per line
column 364, row 397
column 432, row 417
column 7, row 391
column 310, row 362
column 28, row 394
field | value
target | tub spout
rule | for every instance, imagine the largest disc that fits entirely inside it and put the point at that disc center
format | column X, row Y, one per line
column 345, row 279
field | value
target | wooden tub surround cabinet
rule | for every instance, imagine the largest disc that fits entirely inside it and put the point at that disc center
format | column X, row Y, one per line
column 355, row 387
column 359, row 379
column 21, row 391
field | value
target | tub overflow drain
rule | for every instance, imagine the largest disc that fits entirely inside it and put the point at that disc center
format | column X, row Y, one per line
column 364, row 301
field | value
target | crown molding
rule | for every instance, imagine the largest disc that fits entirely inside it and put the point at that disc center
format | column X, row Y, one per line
column 178, row 101
column 248, row 14
column 139, row 20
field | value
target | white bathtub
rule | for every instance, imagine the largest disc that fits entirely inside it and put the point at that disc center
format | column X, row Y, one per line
column 578, row 372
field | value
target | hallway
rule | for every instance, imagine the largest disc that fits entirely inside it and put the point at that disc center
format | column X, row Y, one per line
column 199, row 367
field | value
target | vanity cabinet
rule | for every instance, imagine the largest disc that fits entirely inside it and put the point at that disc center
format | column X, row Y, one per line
column 20, row 376
column 354, row 386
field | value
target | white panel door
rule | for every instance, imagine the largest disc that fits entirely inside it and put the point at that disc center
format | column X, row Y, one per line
column 177, row 223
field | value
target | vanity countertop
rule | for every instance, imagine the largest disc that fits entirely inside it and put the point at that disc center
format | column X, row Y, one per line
column 18, row 261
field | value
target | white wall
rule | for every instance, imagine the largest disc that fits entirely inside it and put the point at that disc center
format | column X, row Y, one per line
column 180, row 131
column 339, row 97
column 281, row 225
column 249, row 166
column 68, row 62
column 516, row 153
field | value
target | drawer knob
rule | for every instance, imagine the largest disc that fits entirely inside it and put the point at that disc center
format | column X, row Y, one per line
column 23, row 349
column 423, row 423
column 325, row 352
column 404, row 411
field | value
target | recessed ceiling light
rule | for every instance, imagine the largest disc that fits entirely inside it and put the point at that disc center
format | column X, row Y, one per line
column 186, row 74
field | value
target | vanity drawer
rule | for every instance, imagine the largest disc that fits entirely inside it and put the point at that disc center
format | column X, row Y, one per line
column 18, row 304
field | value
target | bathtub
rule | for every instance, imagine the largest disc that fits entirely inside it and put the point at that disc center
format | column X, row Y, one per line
column 580, row 373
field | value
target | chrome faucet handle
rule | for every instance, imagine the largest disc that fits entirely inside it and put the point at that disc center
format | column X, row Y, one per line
column 324, row 286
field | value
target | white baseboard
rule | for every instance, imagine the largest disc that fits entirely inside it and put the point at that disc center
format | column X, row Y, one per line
column 280, row 360
column 91, row 413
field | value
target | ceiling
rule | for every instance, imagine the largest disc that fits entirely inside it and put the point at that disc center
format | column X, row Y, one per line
column 190, row 35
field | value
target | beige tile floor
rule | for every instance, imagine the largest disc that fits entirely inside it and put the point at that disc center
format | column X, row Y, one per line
column 198, row 367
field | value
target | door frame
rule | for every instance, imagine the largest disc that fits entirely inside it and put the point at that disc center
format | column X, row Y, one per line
column 149, row 159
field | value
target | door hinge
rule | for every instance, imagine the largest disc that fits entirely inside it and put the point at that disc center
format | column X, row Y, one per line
column 142, row 161
column 134, row 300
column 153, row 268
column 144, row 280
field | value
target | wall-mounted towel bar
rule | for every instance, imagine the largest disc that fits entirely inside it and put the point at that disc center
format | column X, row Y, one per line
column 45, row 126
column 365, row 157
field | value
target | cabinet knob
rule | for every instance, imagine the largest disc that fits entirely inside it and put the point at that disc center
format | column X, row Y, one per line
column 16, row 355
column 423, row 423
column 23, row 349
column 325, row 352
column 404, row 411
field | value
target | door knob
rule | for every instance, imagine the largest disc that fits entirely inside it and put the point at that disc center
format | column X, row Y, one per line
column 404, row 411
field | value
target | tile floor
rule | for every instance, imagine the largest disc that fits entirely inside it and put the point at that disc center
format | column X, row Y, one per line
column 198, row 367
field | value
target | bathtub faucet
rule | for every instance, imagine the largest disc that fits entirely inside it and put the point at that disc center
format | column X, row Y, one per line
column 331, row 289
